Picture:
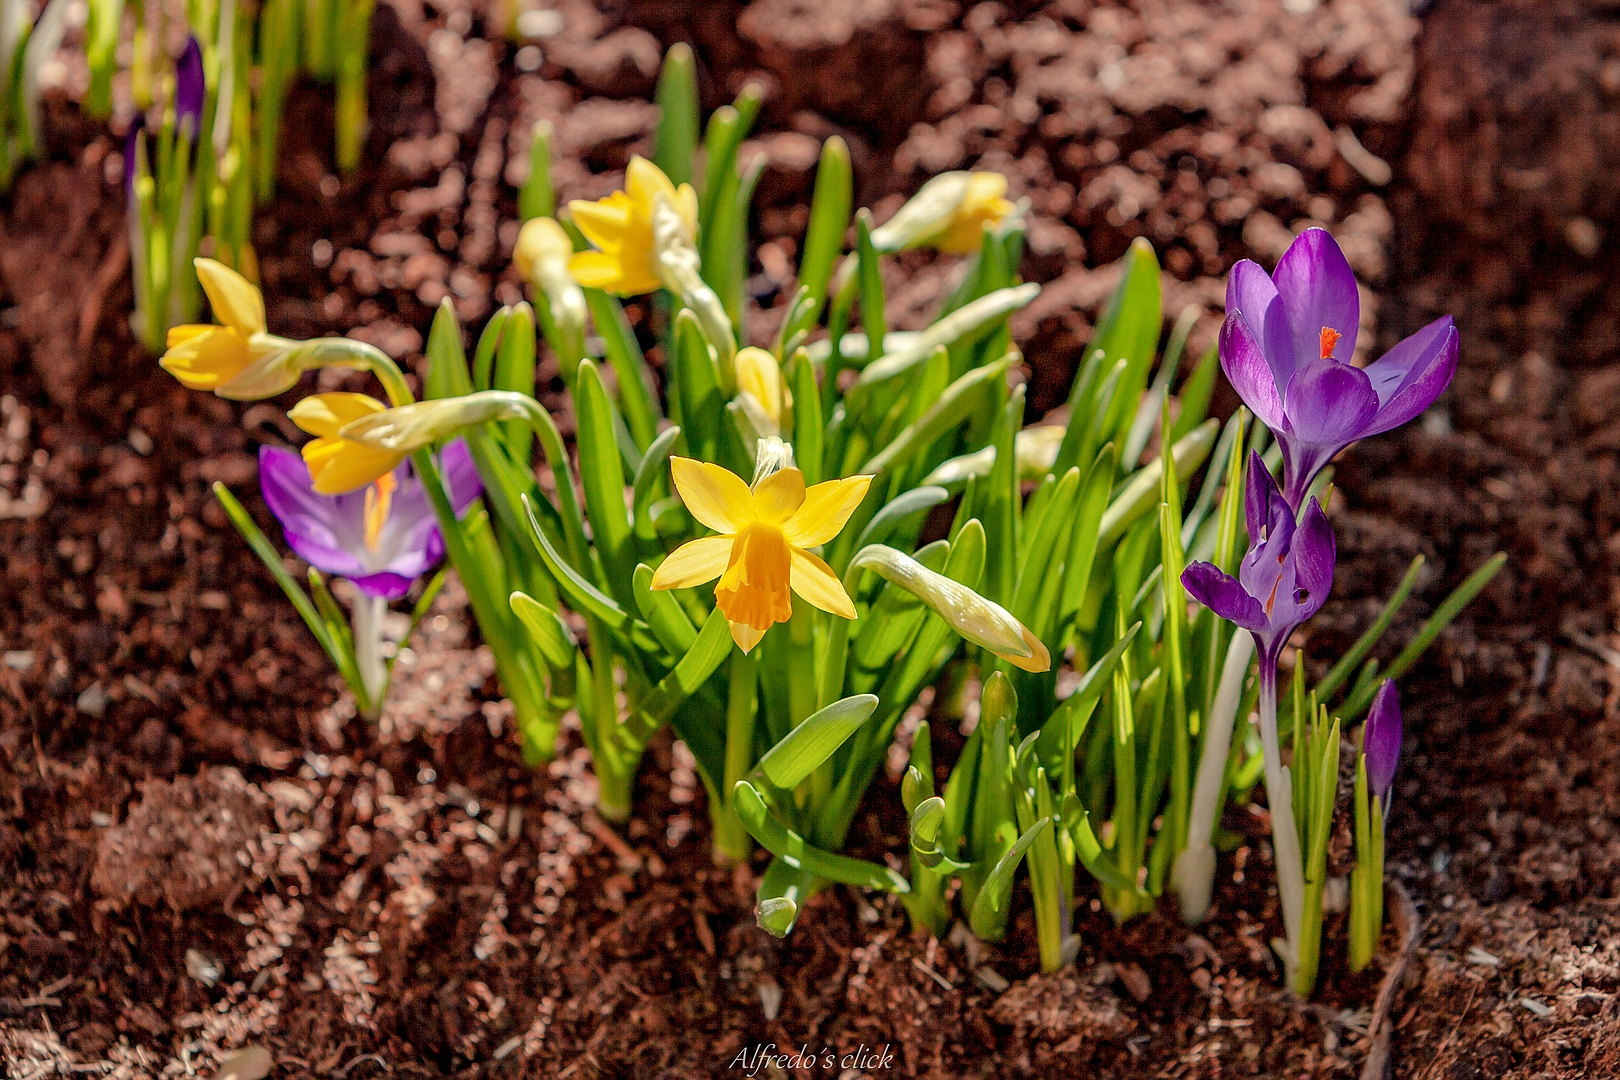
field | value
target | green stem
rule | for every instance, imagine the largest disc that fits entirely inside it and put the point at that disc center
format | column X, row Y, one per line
column 731, row 840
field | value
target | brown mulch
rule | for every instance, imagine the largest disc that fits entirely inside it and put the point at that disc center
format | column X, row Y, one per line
column 200, row 847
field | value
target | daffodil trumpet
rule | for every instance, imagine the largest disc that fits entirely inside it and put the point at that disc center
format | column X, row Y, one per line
column 761, row 553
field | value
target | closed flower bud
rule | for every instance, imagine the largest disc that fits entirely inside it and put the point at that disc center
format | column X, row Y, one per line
column 950, row 214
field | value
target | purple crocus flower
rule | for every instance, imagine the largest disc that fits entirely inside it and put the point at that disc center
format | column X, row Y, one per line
column 1381, row 740
column 1286, row 346
column 1285, row 577
column 190, row 88
column 382, row 537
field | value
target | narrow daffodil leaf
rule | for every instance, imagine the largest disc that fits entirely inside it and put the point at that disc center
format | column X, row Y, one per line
column 883, row 524
column 484, row 356
column 514, row 370
column 1358, row 652
column 989, row 915
column 786, row 764
column 942, row 416
column 1140, row 493
column 664, row 614
column 447, row 374
column 808, row 426
column 1196, row 394
column 708, row 651
column 675, row 140
column 1129, row 330
column 918, row 782
column 829, row 219
column 648, row 480
column 797, row 853
column 536, row 197
column 601, row 475
column 1067, row 724
column 967, row 323
column 551, row 635
column 870, row 276
column 629, row 365
column 927, row 818
column 783, row 890
column 1092, row 856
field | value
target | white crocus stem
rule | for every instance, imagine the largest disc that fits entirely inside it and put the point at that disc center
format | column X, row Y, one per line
column 1284, row 832
column 367, row 615
column 1193, row 875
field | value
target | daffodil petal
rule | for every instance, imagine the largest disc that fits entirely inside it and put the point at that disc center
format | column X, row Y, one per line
column 715, row 496
column 338, row 466
column 814, row 580
column 827, row 506
column 597, row 270
column 745, row 636
column 686, row 205
column 234, row 300
column 779, row 495
column 326, row 414
column 693, row 563
column 759, row 374
column 644, row 182
column 603, row 222
column 205, row 357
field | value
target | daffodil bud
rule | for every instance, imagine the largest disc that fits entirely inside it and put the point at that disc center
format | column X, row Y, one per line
column 541, row 257
column 1034, row 449
column 408, row 428
column 680, row 271
column 981, row 621
column 760, row 392
column 950, row 213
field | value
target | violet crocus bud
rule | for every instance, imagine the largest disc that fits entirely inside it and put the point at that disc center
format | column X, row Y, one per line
column 1381, row 740
column 190, row 88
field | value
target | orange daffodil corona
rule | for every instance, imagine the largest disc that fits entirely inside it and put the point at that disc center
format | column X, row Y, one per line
column 621, row 227
column 761, row 553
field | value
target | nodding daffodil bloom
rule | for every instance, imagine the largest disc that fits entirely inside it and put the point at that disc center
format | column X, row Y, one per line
column 760, row 391
column 621, row 227
column 1283, row 580
column 336, row 464
column 381, row 539
column 1381, row 740
column 949, row 213
column 1286, row 346
column 760, row 555
column 237, row 359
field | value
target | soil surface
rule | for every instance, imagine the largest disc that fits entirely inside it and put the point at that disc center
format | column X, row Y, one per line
column 202, row 848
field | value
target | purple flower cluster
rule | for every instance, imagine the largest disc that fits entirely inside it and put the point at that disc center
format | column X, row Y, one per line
column 1286, row 346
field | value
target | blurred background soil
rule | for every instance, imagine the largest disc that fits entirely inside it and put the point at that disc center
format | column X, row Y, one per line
column 200, row 847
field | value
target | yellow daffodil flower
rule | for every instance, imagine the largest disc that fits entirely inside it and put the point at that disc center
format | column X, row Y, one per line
column 760, row 390
column 949, row 214
column 760, row 555
column 339, row 465
column 541, row 258
column 237, row 359
column 985, row 205
column 621, row 227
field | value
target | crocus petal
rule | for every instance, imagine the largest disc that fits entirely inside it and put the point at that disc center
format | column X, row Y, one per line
column 1264, row 511
column 1222, row 594
column 1313, row 553
column 234, row 300
column 384, row 585
column 715, row 496
column 1381, row 738
column 779, row 495
column 1250, row 372
column 693, row 563
column 326, row 414
column 288, row 489
column 318, row 545
column 1410, row 376
column 1318, row 289
column 827, row 506
column 460, row 475
column 1251, row 293
column 814, row 580
column 1330, row 404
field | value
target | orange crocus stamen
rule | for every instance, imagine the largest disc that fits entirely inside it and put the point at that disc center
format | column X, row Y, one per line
column 379, row 500
column 1330, row 339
